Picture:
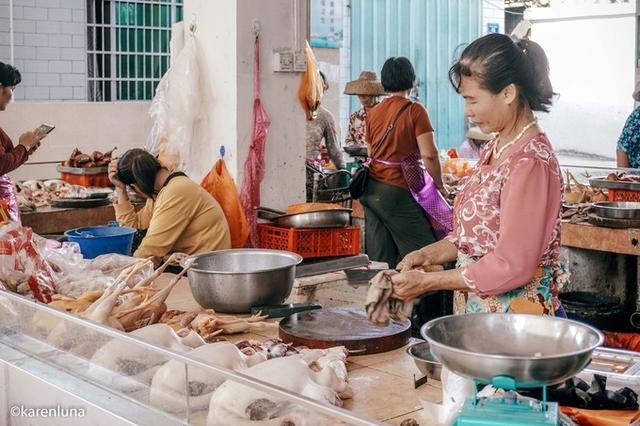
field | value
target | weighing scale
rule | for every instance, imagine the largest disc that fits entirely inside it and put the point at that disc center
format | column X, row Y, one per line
column 510, row 352
column 509, row 409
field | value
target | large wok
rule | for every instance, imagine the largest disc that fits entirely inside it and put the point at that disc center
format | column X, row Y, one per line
column 332, row 218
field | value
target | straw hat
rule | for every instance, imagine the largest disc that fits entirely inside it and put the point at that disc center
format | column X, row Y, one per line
column 477, row 134
column 367, row 85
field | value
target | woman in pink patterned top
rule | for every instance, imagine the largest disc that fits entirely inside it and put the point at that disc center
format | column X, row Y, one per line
column 506, row 236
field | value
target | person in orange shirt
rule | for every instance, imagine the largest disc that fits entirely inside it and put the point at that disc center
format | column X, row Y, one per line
column 395, row 223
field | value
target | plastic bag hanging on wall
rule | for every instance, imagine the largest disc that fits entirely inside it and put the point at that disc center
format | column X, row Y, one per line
column 177, row 107
column 254, row 164
column 311, row 85
column 221, row 186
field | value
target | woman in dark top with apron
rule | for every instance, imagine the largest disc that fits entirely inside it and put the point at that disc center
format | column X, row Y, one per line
column 12, row 157
column 396, row 224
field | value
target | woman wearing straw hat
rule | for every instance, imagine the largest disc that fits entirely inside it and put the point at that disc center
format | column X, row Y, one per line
column 367, row 88
column 476, row 139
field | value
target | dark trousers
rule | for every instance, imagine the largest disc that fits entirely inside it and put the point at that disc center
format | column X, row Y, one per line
column 395, row 224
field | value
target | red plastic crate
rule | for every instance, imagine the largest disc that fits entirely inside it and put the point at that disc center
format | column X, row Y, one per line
column 309, row 243
column 623, row 195
column 100, row 180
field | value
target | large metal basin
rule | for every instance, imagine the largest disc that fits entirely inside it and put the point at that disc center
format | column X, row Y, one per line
column 425, row 360
column 333, row 218
column 618, row 210
column 235, row 280
column 533, row 350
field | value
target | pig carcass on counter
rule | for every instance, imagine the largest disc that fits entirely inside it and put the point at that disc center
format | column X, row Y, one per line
column 234, row 403
column 127, row 366
column 168, row 385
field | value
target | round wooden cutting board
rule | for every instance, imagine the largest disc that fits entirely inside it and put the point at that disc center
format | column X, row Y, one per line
column 344, row 326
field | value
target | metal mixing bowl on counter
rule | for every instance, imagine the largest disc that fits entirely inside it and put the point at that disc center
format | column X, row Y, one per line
column 530, row 350
column 235, row 280
column 425, row 361
column 618, row 210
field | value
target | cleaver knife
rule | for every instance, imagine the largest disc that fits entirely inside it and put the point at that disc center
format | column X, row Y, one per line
column 357, row 277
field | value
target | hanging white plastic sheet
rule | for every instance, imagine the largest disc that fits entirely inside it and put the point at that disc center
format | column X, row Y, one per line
column 177, row 135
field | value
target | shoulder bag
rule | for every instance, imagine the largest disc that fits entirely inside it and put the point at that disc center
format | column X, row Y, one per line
column 359, row 180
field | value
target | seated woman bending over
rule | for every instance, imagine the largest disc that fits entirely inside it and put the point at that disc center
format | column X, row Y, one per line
column 179, row 215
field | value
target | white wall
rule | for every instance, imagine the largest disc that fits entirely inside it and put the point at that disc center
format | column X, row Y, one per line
column 216, row 42
column 492, row 12
column 49, row 48
column 284, row 181
column 225, row 34
column 225, row 37
column 87, row 125
column 591, row 50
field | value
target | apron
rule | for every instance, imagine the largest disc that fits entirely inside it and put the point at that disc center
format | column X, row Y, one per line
column 539, row 296
column 7, row 193
column 424, row 191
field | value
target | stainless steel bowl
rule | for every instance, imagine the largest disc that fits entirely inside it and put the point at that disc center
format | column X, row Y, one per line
column 315, row 219
column 533, row 350
column 235, row 280
column 425, row 361
column 617, row 210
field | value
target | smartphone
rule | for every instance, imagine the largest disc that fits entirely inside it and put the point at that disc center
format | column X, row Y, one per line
column 45, row 128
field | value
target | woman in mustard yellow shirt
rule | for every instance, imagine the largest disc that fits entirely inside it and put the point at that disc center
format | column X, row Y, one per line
column 179, row 215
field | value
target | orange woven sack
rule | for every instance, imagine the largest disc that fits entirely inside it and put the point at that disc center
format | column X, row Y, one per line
column 219, row 183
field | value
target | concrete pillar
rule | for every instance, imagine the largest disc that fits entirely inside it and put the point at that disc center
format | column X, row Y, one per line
column 226, row 40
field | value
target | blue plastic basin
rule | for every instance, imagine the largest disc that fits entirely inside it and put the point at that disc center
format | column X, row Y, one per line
column 97, row 240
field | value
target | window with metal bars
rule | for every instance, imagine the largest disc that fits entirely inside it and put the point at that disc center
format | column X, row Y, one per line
column 128, row 47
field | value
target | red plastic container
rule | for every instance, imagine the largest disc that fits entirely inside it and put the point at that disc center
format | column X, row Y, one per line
column 623, row 195
column 97, row 176
column 311, row 242
column 100, row 181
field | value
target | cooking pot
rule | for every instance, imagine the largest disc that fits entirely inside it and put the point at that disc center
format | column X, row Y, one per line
column 235, row 280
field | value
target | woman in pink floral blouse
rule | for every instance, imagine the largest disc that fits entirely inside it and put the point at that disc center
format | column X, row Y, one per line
column 506, row 236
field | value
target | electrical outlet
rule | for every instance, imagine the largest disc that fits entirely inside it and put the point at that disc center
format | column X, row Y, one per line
column 300, row 61
column 283, row 61
column 288, row 60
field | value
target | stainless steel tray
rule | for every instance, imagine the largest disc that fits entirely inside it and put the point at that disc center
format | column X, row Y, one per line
column 621, row 367
column 332, row 218
column 316, row 219
column 617, row 210
column 82, row 171
column 610, row 184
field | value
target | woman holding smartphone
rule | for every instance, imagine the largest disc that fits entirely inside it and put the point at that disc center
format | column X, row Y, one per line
column 12, row 157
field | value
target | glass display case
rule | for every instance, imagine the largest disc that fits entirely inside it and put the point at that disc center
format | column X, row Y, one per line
column 142, row 382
